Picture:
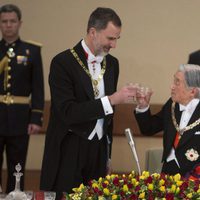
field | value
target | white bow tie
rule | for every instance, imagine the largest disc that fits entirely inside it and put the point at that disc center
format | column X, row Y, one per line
column 93, row 59
column 182, row 107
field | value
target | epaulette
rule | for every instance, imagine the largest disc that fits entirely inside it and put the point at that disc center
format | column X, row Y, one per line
column 33, row 42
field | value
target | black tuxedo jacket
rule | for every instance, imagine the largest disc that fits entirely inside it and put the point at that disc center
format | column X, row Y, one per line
column 151, row 124
column 74, row 110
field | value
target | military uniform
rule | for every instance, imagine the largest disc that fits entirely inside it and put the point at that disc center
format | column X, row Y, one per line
column 21, row 100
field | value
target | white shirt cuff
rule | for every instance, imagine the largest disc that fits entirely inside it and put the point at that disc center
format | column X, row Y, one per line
column 141, row 110
column 106, row 105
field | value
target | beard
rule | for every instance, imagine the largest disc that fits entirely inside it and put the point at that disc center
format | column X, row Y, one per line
column 103, row 53
column 101, row 50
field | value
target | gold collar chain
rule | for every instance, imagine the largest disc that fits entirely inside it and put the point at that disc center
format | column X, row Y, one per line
column 189, row 127
column 95, row 82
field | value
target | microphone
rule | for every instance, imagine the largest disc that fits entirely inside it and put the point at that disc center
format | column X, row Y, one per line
column 133, row 149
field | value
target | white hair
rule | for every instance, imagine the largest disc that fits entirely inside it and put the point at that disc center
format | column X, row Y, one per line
column 192, row 76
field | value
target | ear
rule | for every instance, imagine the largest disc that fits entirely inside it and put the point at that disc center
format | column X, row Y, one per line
column 194, row 92
column 92, row 32
column 20, row 23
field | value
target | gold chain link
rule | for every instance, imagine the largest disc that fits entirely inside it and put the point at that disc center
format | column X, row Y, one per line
column 189, row 127
column 95, row 82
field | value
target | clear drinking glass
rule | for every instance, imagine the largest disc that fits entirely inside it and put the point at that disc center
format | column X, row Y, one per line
column 49, row 195
column 29, row 194
column 134, row 87
column 143, row 95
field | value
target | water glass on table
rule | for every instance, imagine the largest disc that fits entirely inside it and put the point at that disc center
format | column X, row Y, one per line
column 49, row 195
column 44, row 195
column 29, row 194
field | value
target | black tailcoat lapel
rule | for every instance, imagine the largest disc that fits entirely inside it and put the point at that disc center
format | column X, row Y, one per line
column 82, row 74
column 108, row 76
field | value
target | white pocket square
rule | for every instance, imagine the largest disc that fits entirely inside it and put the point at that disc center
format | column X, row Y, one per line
column 197, row 133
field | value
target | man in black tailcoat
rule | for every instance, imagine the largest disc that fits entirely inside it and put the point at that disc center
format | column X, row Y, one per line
column 83, row 82
column 179, row 119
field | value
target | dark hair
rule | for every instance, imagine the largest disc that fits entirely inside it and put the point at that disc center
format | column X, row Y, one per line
column 11, row 8
column 101, row 16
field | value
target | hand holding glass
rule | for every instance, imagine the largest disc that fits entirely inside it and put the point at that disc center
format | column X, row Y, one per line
column 133, row 87
column 143, row 96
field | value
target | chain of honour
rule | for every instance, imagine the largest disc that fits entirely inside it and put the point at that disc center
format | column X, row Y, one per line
column 95, row 82
column 189, row 127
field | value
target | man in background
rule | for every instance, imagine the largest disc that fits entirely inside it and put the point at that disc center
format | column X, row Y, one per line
column 21, row 92
column 194, row 58
column 83, row 82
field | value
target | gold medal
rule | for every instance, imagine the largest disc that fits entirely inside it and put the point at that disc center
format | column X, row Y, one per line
column 94, row 82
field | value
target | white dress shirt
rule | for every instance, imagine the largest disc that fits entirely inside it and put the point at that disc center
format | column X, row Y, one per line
column 95, row 70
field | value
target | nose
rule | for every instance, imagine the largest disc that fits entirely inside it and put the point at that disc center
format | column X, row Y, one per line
column 113, row 44
column 8, row 23
column 172, row 86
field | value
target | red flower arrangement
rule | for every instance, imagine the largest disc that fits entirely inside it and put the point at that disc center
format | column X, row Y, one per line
column 135, row 187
